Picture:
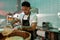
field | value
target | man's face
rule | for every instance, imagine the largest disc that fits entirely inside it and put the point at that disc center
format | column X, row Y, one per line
column 26, row 9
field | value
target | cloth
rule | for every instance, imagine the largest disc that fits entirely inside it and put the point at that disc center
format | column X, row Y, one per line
column 41, row 33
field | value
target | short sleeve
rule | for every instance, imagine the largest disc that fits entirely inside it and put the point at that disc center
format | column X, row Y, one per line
column 34, row 19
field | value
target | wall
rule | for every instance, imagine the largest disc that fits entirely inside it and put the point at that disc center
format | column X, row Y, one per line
column 8, row 5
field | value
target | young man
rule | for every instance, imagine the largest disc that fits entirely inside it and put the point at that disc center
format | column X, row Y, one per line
column 28, row 19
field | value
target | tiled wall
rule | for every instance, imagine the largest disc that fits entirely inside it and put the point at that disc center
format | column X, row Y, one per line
column 8, row 5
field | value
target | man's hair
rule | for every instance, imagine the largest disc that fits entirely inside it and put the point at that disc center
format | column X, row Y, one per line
column 25, row 3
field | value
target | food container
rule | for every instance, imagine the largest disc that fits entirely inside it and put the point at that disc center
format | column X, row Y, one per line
column 24, row 34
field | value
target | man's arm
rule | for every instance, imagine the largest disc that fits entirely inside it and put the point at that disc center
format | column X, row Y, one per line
column 33, row 27
column 33, row 23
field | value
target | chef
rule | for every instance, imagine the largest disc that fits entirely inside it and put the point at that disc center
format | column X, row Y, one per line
column 28, row 19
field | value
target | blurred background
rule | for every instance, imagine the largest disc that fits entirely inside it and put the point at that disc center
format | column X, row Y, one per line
column 48, row 10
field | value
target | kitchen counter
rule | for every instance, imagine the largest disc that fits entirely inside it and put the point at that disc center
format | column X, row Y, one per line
column 50, row 34
column 50, row 30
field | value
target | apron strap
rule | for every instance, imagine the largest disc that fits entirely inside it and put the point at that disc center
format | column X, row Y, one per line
column 28, row 17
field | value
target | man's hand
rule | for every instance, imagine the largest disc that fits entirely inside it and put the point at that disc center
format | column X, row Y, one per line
column 14, row 28
column 33, row 26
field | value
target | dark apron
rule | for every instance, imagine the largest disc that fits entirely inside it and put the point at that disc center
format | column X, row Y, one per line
column 27, row 23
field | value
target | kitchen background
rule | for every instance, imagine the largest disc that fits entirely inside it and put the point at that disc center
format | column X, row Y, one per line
column 48, row 10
